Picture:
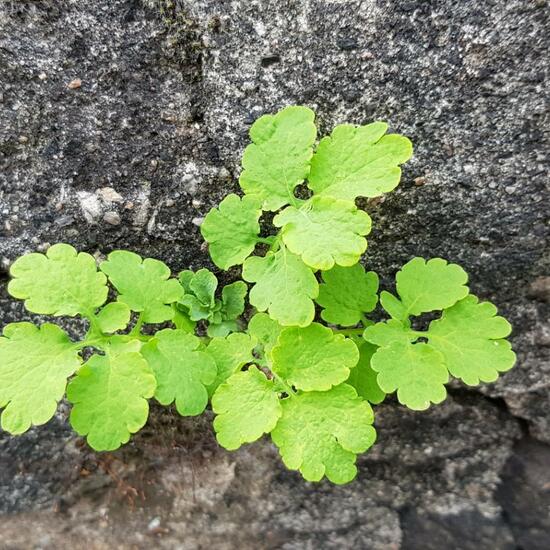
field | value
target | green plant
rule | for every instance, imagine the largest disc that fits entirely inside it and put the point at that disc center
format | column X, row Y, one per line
column 308, row 384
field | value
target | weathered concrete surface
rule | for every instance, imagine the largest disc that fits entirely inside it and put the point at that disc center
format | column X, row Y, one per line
column 166, row 92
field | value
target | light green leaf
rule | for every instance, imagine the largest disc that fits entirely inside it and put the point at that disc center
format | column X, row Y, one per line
column 185, row 277
column 231, row 230
column 199, row 299
column 222, row 329
column 181, row 319
column 230, row 355
column 182, row 370
column 34, row 366
column 203, row 285
column 430, row 285
column 416, row 371
column 114, row 316
column 266, row 331
column 313, row 358
column 471, row 338
column 393, row 306
column 284, row 285
column 278, row 159
column 119, row 344
column 233, row 296
column 247, row 406
column 109, row 397
column 346, row 294
column 143, row 285
column 325, row 231
column 61, row 282
column 358, row 162
column 383, row 334
column 363, row 377
column 320, row 433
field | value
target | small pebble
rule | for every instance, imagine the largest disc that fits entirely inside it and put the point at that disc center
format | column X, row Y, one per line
column 111, row 218
column 108, row 194
column 23, row 139
column 74, row 84
column 540, row 289
column 197, row 221
column 42, row 76
column 420, row 181
column 64, row 221
column 169, row 203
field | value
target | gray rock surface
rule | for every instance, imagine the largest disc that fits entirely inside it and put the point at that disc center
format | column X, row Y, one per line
column 122, row 122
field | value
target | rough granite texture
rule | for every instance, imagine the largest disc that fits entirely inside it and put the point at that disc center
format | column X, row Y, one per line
column 123, row 121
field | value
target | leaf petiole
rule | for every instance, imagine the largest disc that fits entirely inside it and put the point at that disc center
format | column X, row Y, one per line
column 287, row 388
column 137, row 328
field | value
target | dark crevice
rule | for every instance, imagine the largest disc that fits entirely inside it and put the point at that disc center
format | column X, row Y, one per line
column 499, row 402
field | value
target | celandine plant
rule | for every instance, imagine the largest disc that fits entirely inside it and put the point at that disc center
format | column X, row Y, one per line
column 309, row 384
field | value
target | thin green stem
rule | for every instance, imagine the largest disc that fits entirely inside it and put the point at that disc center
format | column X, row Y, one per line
column 288, row 389
column 137, row 328
column 276, row 244
column 365, row 322
column 95, row 328
column 104, row 340
column 88, row 343
column 266, row 240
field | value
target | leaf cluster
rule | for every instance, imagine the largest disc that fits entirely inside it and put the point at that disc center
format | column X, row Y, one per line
column 308, row 365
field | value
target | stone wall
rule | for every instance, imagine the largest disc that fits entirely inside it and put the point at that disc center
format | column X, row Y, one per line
column 122, row 123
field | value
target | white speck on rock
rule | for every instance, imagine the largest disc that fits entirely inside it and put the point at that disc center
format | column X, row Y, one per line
column 197, row 221
column 111, row 218
column 141, row 204
column 90, row 205
column 108, row 195
column 153, row 524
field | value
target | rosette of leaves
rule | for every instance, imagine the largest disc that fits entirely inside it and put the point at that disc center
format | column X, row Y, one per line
column 200, row 303
column 314, row 234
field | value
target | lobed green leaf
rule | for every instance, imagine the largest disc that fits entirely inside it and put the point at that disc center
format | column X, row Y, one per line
column 143, row 285
column 416, row 371
column 231, row 230
column 325, row 231
column 358, row 161
column 278, row 159
column 285, row 287
column 35, row 363
column 430, row 285
column 109, row 397
column 346, row 294
column 313, row 358
column 61, row 282
column 320, row 433
column 246, row 406
column 182, row 370
column 470, row 336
